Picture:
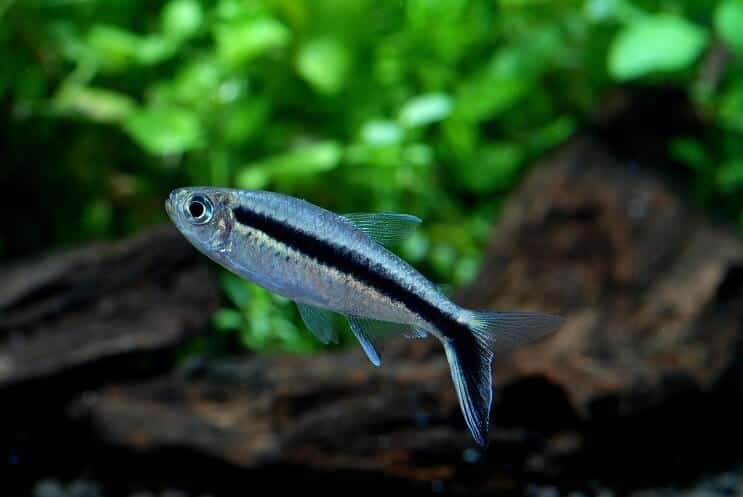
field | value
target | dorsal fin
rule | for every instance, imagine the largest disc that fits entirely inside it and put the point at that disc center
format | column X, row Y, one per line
column 386, row 228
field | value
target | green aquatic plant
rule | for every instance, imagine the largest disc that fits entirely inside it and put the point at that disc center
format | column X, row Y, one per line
column 432, row 108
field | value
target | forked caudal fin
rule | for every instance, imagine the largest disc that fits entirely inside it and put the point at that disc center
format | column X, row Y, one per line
column 470, row 358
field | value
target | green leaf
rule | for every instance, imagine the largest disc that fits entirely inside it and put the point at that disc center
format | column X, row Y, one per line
column 243, row 40
column 497, row 167
column 600, row 10
column 228, row 319
column 690, row 152
column 182, row 18
column 97, row 218
column 324, row 63
column 418, row 154
column 466, row 270
column 512, row 73
column 117, row 49
column 381, row 133
column 552, row 134
column 96, row 104
column 415, row 247
column 114, row 47
column 196, row 84
column 244, row 121
column 462, row 136
column 306, row 161
column 383, row 156
column 425, row 109
column 730, row 109
column 730, row 176
column 655, row 44
column 154, row 49
column 443, row 258
column 165, row 131
column 237, row 290
column 487, row 95
column 728, row 22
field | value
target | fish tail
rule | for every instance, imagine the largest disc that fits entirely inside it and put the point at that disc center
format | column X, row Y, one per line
column 470, row 358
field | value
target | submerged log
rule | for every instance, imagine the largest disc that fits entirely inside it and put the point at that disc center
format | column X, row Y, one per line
column 80, row 308
column 640, row 382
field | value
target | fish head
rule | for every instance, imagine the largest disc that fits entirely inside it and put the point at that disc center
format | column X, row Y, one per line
column 204, row 216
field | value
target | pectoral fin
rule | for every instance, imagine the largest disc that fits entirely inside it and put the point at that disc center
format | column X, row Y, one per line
column 320, row 322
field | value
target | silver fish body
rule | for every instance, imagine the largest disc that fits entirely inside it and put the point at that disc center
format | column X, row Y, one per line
column 331, row 263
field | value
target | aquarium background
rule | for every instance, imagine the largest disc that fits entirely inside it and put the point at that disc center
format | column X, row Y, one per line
column 432, row 107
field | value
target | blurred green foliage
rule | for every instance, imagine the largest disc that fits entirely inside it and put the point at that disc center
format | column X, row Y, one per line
column 420, row 106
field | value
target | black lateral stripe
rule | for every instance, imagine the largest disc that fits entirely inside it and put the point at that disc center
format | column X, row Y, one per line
column 352, row 263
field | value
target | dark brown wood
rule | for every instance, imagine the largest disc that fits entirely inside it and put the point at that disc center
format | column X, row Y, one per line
column 81, row 307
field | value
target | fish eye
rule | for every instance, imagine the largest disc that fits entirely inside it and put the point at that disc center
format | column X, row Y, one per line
column 199, row 209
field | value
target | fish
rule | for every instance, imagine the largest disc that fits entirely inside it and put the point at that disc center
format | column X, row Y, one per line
column 331, row 264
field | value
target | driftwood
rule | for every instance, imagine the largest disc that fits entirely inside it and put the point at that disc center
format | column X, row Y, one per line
column 79, row 309
column 643, row 380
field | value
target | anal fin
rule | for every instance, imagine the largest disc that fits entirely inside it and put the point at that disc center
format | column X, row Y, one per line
column 369, row 331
